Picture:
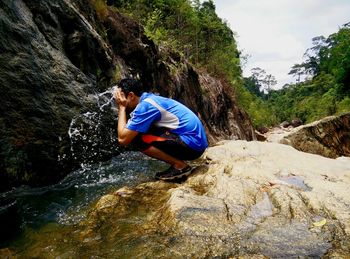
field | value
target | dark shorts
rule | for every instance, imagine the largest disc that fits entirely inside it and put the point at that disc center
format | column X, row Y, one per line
column 169, row 143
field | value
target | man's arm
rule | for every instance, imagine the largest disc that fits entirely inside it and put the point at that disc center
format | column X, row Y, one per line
column 125, row 136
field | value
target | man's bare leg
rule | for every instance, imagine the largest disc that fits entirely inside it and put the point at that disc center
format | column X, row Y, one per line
column 160, row 155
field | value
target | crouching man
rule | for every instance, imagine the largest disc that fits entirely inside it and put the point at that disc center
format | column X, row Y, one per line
column 160, row 127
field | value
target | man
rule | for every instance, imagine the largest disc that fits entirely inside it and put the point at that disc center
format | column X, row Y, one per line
column 162, row 128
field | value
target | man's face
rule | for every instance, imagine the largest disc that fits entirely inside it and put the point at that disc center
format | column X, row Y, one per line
column 131, row 102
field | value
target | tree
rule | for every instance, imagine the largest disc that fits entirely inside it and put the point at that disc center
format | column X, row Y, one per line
column 252, row 85
column 268, row 82
column 262, row 80
column 297, row 71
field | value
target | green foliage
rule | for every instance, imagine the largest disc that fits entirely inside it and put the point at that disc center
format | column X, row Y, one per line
column 329, row 56
column 259, row 110
column 152, row 29
column 335, row 59
column 309, row 101
column 261, row 113
column 252, row 85
column 191, row 28
column 101, row 8
column 259, row 83
column 344, row 105
column 327, row 93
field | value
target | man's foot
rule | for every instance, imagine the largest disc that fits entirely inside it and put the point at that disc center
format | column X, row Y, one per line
column 172, row 173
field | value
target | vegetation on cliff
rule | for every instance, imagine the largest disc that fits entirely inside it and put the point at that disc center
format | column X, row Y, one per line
column 191, row 28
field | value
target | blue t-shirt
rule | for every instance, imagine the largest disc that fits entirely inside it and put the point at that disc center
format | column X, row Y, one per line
column 168, row 113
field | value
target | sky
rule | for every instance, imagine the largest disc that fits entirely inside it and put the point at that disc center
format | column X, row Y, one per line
column 276, row 33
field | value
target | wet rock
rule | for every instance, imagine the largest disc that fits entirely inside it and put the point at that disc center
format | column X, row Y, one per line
column 329, row 137
column 124, row 192
column 218, row 110
column 244, row 200
column 43, row 87
column 7, row 253
column 10, row 219
column 251, row 198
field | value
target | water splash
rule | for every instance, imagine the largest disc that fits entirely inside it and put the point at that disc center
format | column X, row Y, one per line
column 110, row 98
column 67, row 202
column 92, row 133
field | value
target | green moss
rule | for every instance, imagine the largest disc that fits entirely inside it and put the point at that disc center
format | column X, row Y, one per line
column 101, row 8
column 117, row 75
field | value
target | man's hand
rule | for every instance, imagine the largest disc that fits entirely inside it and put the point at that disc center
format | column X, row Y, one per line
column 125, row 136
column 120, row 98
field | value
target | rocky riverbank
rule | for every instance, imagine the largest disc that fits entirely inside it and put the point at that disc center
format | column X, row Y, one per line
column 244, row 199
column 256, row 199
column 329, row 137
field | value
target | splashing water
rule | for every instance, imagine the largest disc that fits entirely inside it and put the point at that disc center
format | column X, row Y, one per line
column 66, row 203
column 92, row 133
column 109, row 99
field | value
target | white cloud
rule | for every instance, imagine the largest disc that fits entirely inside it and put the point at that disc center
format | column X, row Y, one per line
column 276, row 33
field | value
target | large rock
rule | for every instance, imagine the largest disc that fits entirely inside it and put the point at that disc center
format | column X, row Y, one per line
column 261, row 198
column 40, row 93
column 329, row 137
column 49, row 60
column 58, row 60
column 248, row 199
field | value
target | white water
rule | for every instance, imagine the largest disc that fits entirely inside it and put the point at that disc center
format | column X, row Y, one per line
column 85, row 128
column 109, row 101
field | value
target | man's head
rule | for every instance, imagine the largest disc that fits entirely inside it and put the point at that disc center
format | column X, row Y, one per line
column 128, row 85
column 132, row 90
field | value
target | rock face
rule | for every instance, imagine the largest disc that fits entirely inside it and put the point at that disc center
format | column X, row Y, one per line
column 58, row 60
column 248, row 199
column 329, row 137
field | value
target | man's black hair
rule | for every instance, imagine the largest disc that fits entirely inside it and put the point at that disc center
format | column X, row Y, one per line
column 128, row 85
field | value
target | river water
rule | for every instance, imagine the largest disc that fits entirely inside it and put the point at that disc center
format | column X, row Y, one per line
column 66, row 203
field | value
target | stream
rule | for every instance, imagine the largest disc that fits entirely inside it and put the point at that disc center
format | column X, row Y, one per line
column 62, row 206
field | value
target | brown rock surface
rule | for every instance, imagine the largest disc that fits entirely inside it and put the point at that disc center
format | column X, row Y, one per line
column 249, row 199
column 329, row 137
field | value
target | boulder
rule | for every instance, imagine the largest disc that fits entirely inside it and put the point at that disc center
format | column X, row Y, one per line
column 260, row 136
column 329, row 137
column 49, row 61
column 261, row 198
column 296, row 122
column 263, row 130
column 285, row 124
